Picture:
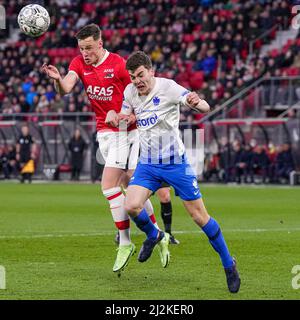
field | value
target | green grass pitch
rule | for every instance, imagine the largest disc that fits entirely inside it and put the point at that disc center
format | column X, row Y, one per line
column 57, row 242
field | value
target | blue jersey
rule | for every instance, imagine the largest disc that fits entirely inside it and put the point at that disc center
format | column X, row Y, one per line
column 157, row 117
column 162, row 153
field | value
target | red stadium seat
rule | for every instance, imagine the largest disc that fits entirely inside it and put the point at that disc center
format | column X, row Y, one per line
column 104, row 21
column 107, row 33
column 274, row 53
column 196, row 80
column 123, row 32
column 197, row 27
column 89, row 7
column 64, row 167
column 290, row 42
column 244, row 54
column 141, row 31
column 293, row 71
column 188, row 38
column 233, row 113
column 258, row 44
column 189, row 66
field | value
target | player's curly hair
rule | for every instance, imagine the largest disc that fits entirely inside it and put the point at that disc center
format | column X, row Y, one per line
column 137, row 59
column 90, row 30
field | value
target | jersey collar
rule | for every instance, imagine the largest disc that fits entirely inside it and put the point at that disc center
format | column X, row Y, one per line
column 102, row 60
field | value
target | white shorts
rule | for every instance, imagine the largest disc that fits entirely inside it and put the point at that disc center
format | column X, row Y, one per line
column 119, row 149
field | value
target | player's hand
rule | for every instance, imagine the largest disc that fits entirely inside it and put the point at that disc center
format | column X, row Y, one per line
column 51, row 71
column 193, row 99
column 112, row 118
column 194, row 102
column 129, row 119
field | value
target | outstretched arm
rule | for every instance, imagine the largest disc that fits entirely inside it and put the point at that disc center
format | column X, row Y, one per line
column 62, row 85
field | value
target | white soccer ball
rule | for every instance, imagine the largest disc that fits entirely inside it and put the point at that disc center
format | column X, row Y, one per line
column 34, row 20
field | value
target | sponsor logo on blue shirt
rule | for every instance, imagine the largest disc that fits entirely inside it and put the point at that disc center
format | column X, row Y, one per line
column 147, row 122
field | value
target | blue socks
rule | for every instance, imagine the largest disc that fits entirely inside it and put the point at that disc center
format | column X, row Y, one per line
column 216, row 239
column 144, row 223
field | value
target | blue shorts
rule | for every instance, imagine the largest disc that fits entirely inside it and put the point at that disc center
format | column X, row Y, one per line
column 180, row 176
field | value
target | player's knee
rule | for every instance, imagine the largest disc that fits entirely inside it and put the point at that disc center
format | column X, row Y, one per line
column 164, row 196
column 105, row 185
column 133, row 207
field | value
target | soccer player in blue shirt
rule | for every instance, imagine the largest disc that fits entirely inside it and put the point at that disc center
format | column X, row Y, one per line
column 154, row 103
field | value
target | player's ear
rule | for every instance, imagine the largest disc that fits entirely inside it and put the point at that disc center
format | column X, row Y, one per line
column 152, row 72
column 100, row 43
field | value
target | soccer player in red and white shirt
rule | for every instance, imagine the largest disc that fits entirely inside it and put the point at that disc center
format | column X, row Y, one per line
column 105, row 77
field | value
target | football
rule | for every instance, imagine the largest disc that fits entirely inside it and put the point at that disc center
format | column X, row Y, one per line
column 34, row 20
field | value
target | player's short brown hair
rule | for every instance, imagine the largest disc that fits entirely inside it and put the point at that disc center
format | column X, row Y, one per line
column 91, row 30
column 137, row 59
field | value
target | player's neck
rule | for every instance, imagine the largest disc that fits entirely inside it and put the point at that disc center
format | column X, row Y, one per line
column 100, row 58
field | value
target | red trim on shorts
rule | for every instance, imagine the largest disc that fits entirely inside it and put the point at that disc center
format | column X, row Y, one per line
column 123, row 225
column 114, row 196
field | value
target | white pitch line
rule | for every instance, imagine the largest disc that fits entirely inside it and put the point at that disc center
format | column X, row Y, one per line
column 105, row 233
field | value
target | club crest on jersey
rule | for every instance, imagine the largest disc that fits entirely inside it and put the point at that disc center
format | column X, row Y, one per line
column 156, row 101
column 108, row 73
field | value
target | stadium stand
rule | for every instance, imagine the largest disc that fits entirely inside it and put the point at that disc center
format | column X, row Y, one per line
column 213, row 47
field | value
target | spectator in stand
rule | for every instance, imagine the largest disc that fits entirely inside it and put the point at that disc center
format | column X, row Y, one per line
column 284, row 163
column 212, row 167
column 226, row 160
column 259, row 164
column 13, row 164
column 239, row 163
column 77, row 146
column 186, row 31
column 4, row 163
column 25, row 154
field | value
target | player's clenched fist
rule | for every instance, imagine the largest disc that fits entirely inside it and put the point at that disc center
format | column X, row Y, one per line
column 193, row 99
column 194, row 102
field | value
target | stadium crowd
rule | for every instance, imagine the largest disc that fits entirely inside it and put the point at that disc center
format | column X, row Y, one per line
column 250, row 163
column 202, row 44
column 232, row 163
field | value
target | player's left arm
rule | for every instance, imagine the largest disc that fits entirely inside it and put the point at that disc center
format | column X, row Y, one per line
column 194, row 102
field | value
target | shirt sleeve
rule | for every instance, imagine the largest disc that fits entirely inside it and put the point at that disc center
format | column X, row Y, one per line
column 75, row 67
column 127, row 107
column 177, row 92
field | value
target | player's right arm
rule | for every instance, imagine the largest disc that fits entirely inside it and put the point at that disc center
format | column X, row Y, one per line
column 62, row 85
